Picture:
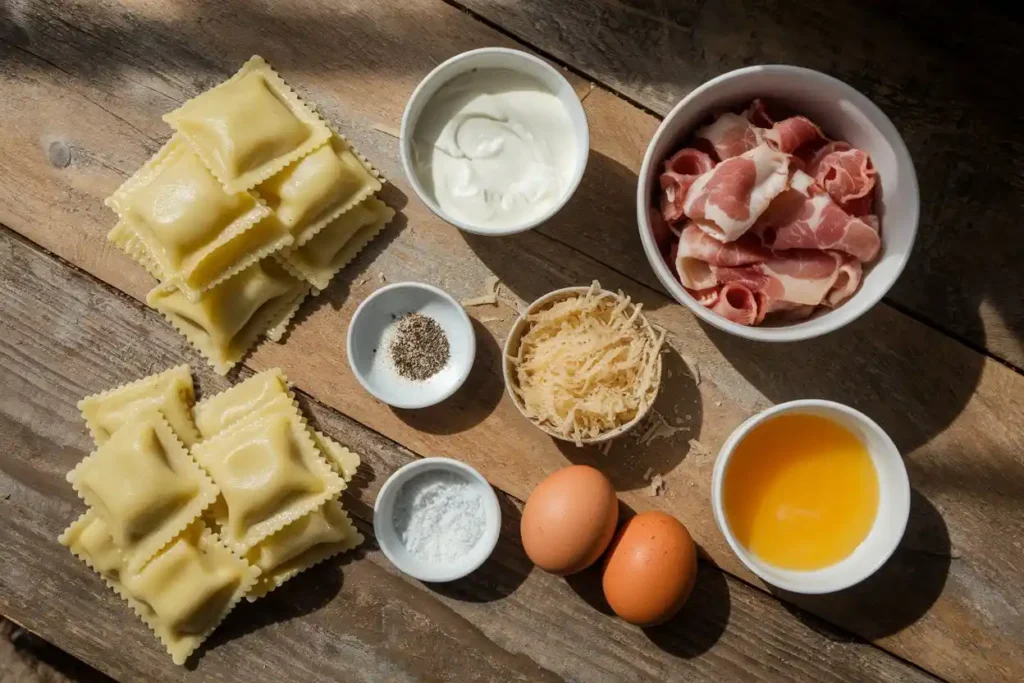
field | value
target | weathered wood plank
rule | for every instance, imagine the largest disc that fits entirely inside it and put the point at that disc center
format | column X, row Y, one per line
column 939, row 70
column 354, row 618
column 957, row 418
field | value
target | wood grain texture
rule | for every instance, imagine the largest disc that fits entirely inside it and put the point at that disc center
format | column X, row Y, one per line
column 939, row 70
column 353, row 618
column 94, row 80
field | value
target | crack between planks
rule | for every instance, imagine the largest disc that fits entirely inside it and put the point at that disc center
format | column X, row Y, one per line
column 132, row 301
column 611, row 90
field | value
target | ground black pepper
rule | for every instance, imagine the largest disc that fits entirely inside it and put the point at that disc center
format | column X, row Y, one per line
column 419, row 347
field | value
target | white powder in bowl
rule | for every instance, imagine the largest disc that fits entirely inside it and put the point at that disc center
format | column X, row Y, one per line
column 439, row 516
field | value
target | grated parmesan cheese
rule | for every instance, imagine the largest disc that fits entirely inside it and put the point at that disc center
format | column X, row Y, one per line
column 587, row 364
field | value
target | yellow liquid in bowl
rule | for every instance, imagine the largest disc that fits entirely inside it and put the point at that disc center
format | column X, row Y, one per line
column 800, row 492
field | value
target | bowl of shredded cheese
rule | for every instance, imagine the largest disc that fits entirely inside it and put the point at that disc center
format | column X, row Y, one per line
column 583, row 364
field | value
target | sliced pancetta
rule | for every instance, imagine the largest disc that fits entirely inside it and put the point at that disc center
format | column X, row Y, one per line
column 731, row 135
column 788, row 135
column 737, row 303
column 847, row 174
column 698, row 252
column 660, row 228
column 817, row 222
column 727, row 200
column 681, row 169
column 706, row 297
column 784, row 311
column 782, row 225
column 847, row 281
column 799, row 276
column 757, row 114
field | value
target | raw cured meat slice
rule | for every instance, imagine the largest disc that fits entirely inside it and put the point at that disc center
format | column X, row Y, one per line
column 784, row 311
column 681, row 169
column 817, row 223
column 731, row 135
column 800, row 276
column 698, row 252
column 793, row 133
column 847, row 174
column 727, row 200
column 757, row 114
column 662, row 232
column 797, row 276
column 764, row 219
column 847, row 281
column 706, row 297
column 736, row 303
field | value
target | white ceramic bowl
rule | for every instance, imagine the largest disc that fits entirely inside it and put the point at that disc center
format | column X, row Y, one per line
column 512, row 349
column 890, row 520
column 843, row 113
column 367, row 352
column 494, row 58
column 391, row 544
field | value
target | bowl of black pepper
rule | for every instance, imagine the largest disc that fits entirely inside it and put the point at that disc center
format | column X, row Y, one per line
column 411, row 345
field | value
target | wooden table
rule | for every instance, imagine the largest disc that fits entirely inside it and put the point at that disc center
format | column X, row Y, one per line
column 82, row 88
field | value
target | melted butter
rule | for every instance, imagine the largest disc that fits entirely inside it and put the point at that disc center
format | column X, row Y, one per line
column 801, row 492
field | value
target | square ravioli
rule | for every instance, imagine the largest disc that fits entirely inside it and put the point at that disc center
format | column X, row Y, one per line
column 249, row 127
column 89, row 539
column 171, row 392
column 226, row 322
column 189, row 230
column 144, row 485
column 216, row 413
column 319, row 187
column 334, row 247
column 269, row 472
column 125, row 239
column 182, row 594
column 313, row 538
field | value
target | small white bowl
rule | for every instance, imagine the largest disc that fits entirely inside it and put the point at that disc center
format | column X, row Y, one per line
column 890, row 519
column 494, row 58
column 843, row 113
column 512, row 349
column 367, row 352
column 391, row 544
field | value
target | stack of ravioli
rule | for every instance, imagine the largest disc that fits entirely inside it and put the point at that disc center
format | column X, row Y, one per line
column 192, row 507
column 250, row 207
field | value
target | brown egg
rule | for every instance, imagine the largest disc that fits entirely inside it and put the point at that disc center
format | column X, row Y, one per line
column 651, row 569
column 569, row 519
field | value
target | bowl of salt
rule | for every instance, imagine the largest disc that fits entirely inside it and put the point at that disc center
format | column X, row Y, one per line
column 437, row 519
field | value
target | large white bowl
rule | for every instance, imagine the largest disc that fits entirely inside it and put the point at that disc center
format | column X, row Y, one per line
column 890, row 519
column 494, row 58
column 844, row 114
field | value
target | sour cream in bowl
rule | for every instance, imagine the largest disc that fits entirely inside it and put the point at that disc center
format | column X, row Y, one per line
column 494, row 141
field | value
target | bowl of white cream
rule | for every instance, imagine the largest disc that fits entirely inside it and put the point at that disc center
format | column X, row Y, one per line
column 494, row 141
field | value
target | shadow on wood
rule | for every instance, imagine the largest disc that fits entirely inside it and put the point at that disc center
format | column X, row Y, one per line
column 694, row 629
column 937, row 69
column 309, row 591
column 906, row 402
column 898, row 594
